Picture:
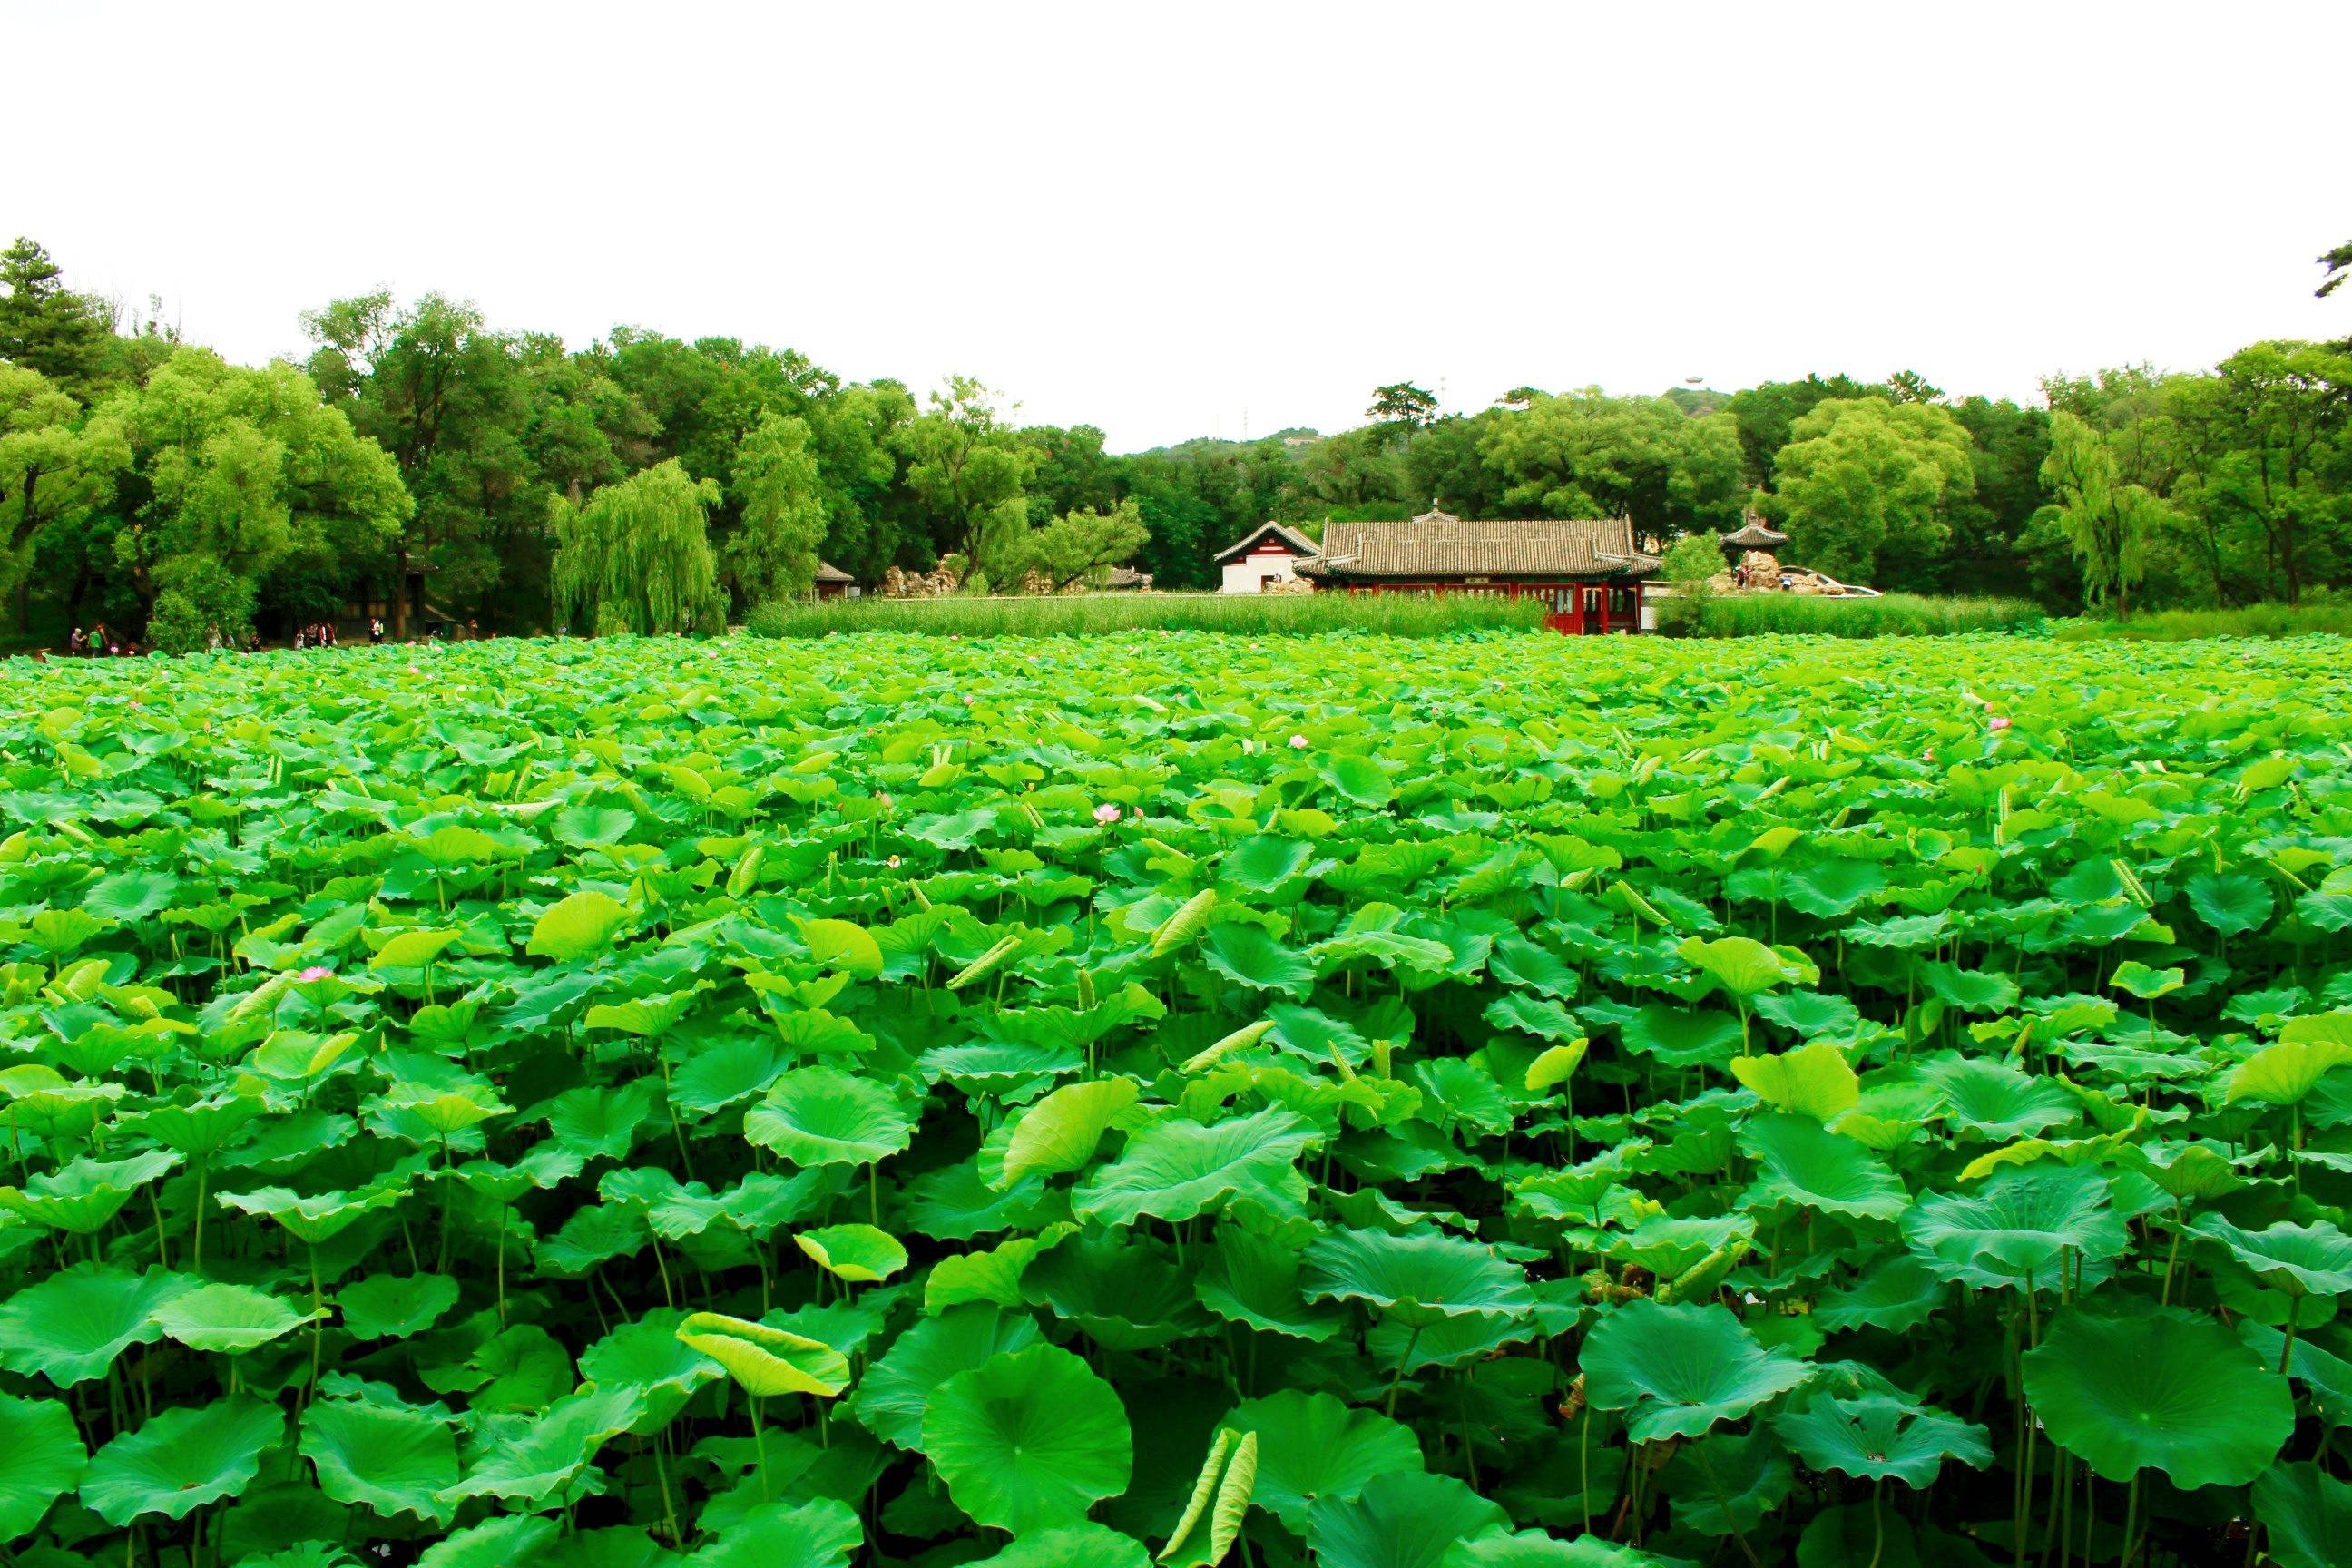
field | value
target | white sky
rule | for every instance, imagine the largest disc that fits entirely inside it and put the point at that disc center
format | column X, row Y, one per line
column 1168, row 220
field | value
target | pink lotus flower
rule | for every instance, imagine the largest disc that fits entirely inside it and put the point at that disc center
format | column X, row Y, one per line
column 1106, row 812
column 1999, row 724
column 1297, row 742
column 884, row 797
column 893, row 862
column 316, row 971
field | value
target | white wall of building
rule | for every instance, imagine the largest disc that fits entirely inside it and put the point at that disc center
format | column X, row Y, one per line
column 1248, row 574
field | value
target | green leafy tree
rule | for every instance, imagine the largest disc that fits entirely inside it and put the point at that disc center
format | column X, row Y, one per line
column 1083, row 543
column 1402, row 403
column 199, row 604
column 2108, row 520
column 773, row 552
column 49, row 328
column 1691, row 564
column 2267, row 456
column 447, row 398
column 1444, row 461
column 637, row 557
column 969, row 472
column 52, row 477
column 245, row 469
column 1588, row 455
column 1767, row 415
column 1863, row 485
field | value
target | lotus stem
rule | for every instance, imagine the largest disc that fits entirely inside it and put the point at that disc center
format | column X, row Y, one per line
column 1397, row 1377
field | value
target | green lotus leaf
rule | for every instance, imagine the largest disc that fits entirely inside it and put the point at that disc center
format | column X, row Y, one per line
column 1060, row 1132
column 128, row 897
column 2014, row 1234
column 1029, row 1439
column 648, row 1357
column 530, row 1459
column 1403, row 1519
column 2318, row 1029
column 844, row 945
column 83, row 1196
column 2166, row 1390
column 1897, row 1293
column 1728, row 1481
column 1743, row 968
column 2286, row 1072
column 444, row 1112
column 1996, row 1100
column 1360, row 779
column 1073, row 1546
column 824, row 1116
column 861, row 1253
column 227, row 1317
column 1531, row 1549
column 824, row 1533
column 1799, row 1162
column 69, row 1327
column 2230, row 903
column 2184, row 1171
column 186, row 1458
column 1311, row 1447
column 891, row 1396
column 2139, row 980
column 1812, row 1081
column 1538, row 1015
column 2327, row 1376
column 2308, row 1515
column 393, row 1306
column 1417, row 1279
column 991, row 1276
column 1247, row 956
column 1681, row 1036
column 496, row 1542
column 766, row 1362
column 413, row 949
column 1877, row 1435
column 41, row 1459
column 1253, row 1280
column 389, row 1458
column 579, row 925
column 2303, row 1260
column 1124, row 1295
column 1678, row 1370
column 316, row 1219
column 1175, row 1169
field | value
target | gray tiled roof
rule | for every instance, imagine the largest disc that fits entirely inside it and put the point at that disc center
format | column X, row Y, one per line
column 1438, row 544
column 1283, row 532
column 828, row 573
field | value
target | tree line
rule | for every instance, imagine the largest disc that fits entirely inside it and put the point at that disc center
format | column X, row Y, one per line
column 422, row 460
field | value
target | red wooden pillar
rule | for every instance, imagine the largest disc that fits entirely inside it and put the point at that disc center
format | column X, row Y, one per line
column 1604, row 609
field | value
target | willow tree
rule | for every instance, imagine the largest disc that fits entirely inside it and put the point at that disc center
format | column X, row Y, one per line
column 637, row 557
column 2108, row 520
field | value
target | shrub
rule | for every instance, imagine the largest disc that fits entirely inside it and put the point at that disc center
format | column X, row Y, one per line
column 1252, row 615
column 1888, row 615
column 2331, row 618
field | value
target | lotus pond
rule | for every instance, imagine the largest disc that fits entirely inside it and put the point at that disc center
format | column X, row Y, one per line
column 1487, row 1102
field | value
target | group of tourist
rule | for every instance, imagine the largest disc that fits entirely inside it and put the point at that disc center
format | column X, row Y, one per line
column 97, row 642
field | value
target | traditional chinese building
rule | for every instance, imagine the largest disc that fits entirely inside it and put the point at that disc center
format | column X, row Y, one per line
column 832, row 582
column 1264, row 559
column 1588, row 572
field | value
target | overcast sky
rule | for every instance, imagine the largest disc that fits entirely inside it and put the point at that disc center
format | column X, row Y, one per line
column 1198, row 219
